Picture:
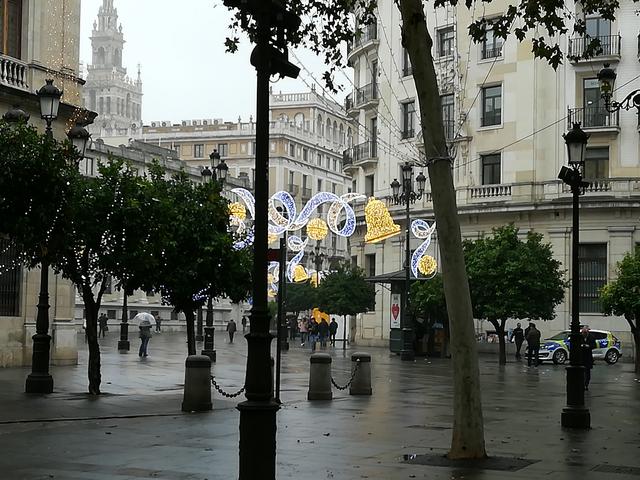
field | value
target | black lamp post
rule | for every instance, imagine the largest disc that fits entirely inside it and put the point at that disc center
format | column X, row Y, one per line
column 606, row 79
column 16, row 116
column 317, row 258
column 209, row 332
column 40, row 380
column 575, row 414
column 407, row 197
column 79, row 137
column 206, row 174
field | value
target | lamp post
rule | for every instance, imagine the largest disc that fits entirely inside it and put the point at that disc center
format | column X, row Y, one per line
column 575, row 414
column 209, row 332
column 40, row 380
column 606, row 79
column 407, row 197
column 16, row 116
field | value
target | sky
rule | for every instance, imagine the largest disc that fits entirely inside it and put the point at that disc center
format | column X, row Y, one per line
column 186, row 73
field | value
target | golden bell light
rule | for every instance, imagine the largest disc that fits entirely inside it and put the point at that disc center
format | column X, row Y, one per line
column 317, row 229
column 237, row 210
column 427, row 265
column 380, row 225
column 300, row 274
column 271, row 238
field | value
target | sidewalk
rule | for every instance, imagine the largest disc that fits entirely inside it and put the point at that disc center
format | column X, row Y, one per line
column 136, row 430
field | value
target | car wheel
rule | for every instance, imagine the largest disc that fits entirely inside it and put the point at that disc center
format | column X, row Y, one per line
column 612, row 356
column 559, row 357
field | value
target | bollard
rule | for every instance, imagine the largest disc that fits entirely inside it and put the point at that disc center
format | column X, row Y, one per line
column 320, row 377
column 197, row 384
column 361, row 384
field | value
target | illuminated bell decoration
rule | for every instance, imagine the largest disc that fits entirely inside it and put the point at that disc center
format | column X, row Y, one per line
column 427, row 265
column 236, row 209
column 317, row 229
column 271, row 237
column 300, row 274
column 380, row 225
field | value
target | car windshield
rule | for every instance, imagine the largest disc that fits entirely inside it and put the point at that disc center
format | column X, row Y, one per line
column 559, row 336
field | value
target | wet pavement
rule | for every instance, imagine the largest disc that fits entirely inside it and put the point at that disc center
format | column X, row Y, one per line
column 136, row 429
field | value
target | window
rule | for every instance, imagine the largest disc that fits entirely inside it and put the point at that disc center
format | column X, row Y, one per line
column 198, row 150
column 406, row 63
column 253, row 147
column 370, row 264
column 292, row 150
column 445, row 42
column 354, row 261
column 595, row 115
column 223, row 149
column 305, row 155
column 9, row 281
column 10, row 27
column 319, row 159
column 408, row 119
column 319, row 184
column 335, row 165
column 490, row 169
column 111, row 314
column 448, row 113
column 369, row 185
column 354, row 186
column 108, row 104
column 108, row 285
column 174, row 315
column 492, row 45
column 492, row 105
column 596, row 163
column 132, row 313
column 598, row 27
column 592, row 265
column 176, row 148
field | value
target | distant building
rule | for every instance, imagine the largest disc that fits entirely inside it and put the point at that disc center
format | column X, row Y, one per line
column 109, row 91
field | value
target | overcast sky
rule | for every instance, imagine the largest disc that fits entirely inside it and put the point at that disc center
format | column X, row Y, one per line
column 185, row 72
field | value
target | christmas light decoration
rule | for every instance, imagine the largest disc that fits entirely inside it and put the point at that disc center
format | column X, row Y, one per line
column 419, row 261
column 427, row 266
column 380, row 225
column 236, row 209
column 317, row 229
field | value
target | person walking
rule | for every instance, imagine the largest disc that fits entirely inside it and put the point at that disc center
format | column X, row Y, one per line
column 145, row 336
column 533, row 345
column 588, row 343
column 158, row 322
column 244, row 324
column 313, row 335
column 323, row 332
column 231, row 329
column 333, row 329
column 518, row 337
column 302, row 326
column 102, row 323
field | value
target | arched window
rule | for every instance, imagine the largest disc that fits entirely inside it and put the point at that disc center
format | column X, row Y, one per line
column 128, row 106
column 349, row 137
column 320, row 127
column 341, row 137
column 328, row 131
column 335, row 131
column 299, row 119
column 100, row 56
column 117, row 57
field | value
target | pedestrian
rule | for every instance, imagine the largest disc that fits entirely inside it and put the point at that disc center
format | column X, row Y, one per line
column 292, row 325
column 313, row 335
column 244, row 324
column 533, row 345
column 145, row 336
column 518, row 337
column 158, row 322
column 333, row 329
column 231, row 329
column 588, row 343
column 323, row 332
column 302, row 326
column 102, row 323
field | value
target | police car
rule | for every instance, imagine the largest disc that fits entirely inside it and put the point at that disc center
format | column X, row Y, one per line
column 557, row 347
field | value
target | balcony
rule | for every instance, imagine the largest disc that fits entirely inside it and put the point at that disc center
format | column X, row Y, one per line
column 594, row 119
column 488, row 52
column 361, row 154
column 597, row 185
column 293, row 189
column 368, row 37
column 362, row 97
column 13, row 73
column 608, row 50
column 490, row 192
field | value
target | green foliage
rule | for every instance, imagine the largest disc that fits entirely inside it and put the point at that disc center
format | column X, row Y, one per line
column 345, row 291
column 300, row 296
column 427, row 299
column 511, row 278
column 622, row 295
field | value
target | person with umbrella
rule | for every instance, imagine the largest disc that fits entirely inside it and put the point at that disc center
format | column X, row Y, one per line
column 145, row 321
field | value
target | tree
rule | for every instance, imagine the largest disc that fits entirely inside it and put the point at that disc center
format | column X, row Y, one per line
column 428, row 301
column 326, row 26
column 300, row 296
column 345, row 292
column 511, row 278
column 622, row 297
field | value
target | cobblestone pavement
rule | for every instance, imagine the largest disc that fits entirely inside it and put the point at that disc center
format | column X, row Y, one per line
column 136, row 430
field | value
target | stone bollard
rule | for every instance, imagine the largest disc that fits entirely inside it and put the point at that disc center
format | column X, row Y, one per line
column 197, row 384
column 361, row 384
column 320, row 377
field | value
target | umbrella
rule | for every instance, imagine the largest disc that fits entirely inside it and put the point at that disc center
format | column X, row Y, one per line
column 144, row 319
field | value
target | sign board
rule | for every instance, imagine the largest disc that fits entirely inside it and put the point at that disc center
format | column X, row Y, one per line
column 396, row 310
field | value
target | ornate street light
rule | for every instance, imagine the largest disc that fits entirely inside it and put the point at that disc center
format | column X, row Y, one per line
column 79, row 137
column 16, row 116
column 575, row 414
column 606, row 79
column 206, row 174
column 215, row 159
column 49, row 96
column 407, row 196
column 222, row 169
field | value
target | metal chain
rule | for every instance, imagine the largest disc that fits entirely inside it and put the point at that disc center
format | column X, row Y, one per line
column 222, row 392
column 353, row 375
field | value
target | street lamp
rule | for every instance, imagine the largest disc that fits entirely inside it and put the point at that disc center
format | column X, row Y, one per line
column 317, row 258
column 79, row 137
column 16, row 116
column 40, row 380
column 407, row 197
column 606, row 79
column 206, row 174
column 222, row 169
column 575, row 414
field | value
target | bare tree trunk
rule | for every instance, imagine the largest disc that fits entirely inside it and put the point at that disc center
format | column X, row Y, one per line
column 499, row 326
column 93, row 367
column 468, row 429
column 191, row 333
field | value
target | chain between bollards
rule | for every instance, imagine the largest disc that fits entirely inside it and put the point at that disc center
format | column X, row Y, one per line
column 353, row 375
column 222, row 392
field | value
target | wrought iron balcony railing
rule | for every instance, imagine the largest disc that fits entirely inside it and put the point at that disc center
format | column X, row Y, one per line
column 592, row 117
column 609, row 46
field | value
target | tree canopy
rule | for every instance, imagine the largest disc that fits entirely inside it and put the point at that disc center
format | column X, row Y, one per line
column 513, row 279
column 622, row 296
column 345, row 291
column 300, row 296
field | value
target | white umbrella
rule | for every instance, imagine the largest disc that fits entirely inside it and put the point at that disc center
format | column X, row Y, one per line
column 144, row 319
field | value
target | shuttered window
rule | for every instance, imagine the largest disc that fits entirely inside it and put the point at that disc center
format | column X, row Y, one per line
column 10, row 27
column 592, row 262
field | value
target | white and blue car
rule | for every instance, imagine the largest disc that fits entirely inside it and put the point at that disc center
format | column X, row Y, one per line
column 556, row 348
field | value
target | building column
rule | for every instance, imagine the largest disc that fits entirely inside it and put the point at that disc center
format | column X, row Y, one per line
column 560, row 239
